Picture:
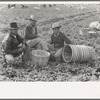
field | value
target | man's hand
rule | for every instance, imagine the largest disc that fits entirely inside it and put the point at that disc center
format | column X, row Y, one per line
column 20, row 45
column 23, row 46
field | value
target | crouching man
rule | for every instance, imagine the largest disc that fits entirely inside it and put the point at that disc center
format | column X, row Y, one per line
column 32, row 37
column 56, row 42
column 13, row 45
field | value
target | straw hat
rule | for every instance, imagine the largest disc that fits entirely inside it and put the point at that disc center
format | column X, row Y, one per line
column 13, row 25
column 54, row 25
column 33, row 18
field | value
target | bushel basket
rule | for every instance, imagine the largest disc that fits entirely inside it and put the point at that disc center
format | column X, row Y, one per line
column 40, row 57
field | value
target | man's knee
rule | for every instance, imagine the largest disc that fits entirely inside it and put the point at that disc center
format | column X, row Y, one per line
column 9, row 58
column 51, row 47
column 39, row 39
column 58, row 53
column 33, row 42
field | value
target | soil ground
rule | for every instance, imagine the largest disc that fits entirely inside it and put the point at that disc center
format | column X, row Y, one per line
column 71, row 19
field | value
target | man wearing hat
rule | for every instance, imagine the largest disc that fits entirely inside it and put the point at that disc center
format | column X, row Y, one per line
column 57, row 40
column 13, row 45
column 32, row 37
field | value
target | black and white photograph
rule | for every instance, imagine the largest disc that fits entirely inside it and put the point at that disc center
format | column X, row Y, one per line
column 50, row 42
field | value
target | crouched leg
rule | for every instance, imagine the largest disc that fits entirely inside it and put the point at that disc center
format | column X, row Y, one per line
column 38, row 43
column 9, row 59
column 58, row 53
column 26, row 54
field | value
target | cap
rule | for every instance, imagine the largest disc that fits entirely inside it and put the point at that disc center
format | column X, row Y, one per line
column 54, row 25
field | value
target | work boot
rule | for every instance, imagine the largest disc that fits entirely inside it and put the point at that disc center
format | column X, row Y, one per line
column 26, row 64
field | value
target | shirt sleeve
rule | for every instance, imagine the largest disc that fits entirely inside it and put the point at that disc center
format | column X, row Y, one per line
column 66, row 39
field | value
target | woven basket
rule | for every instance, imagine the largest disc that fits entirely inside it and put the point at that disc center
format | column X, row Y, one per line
column 78, row 53
column 40, row 57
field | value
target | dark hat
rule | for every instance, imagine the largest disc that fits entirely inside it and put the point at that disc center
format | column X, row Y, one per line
column 13, row 25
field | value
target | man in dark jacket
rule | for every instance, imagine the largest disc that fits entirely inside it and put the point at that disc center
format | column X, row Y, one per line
column 32, row 37
column 57, row 40
column 13, row 45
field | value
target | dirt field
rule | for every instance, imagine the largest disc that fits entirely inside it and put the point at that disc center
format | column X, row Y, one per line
column 71, row 19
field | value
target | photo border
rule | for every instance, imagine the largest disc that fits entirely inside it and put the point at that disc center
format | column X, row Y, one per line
column 63, row 90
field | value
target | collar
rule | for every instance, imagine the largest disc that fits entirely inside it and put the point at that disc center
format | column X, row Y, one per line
column 56, row 34
column 13, row 35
